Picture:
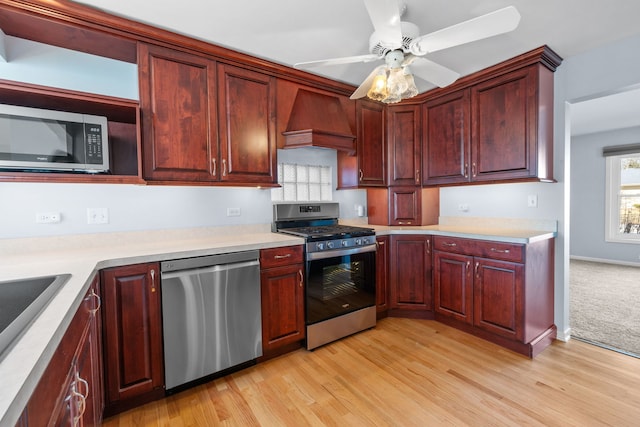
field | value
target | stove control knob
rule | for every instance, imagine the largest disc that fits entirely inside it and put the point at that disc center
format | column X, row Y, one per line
column 365, row 241
column 329, row 245
column 358, row 241
column 320, row 246
column 344, row 243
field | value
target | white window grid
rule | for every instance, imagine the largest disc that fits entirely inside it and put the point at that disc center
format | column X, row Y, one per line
column 302, row 183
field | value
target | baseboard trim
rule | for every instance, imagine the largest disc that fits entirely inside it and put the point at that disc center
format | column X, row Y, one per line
column 605, row 261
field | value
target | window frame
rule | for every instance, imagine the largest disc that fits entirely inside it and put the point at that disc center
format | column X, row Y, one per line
column 612, row 211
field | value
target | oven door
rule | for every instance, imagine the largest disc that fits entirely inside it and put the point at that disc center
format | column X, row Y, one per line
column 340, row 282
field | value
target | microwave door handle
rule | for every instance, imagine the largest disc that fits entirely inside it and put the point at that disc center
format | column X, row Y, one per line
column 340, row 252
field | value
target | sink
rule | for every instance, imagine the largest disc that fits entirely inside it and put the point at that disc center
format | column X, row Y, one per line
column 21, row 301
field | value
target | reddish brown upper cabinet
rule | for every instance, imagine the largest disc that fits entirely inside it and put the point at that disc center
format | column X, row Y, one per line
column 205, row 122
column 493, row 126
column 132, row 329
column 247, row 125
column 446, row 140
column 178, row 101
column 403, row 144
column 371, row 145
column 499, row 291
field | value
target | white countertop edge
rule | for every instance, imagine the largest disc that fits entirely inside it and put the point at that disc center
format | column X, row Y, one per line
column 520, row 237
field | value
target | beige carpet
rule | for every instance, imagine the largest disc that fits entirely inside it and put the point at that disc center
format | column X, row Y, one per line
column 605, row 304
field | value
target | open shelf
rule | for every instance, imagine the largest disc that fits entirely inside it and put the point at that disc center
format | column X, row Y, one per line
column 123, row 116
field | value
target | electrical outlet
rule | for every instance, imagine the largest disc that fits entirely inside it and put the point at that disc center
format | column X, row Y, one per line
column 48, row 217
column 463, row 207
column 532, row 201
column 97, row 215
column 233, row 211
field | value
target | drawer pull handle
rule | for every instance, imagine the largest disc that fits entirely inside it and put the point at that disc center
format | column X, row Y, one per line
column 451, row 245
column 282, row 256
column 404, row 222
column 98, row 301
column 500, row 251
column 153, row 280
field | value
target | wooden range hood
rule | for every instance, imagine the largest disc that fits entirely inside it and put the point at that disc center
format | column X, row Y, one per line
column 318, row 120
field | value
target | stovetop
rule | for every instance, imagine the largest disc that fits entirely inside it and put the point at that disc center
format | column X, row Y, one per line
column 327, row 232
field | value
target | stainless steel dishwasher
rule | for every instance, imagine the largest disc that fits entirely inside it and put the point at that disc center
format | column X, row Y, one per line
column 210, row 314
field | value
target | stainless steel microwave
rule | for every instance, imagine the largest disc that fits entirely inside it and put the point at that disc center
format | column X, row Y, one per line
column 33, row 139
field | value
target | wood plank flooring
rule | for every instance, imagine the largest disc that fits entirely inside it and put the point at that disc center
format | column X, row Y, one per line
column 408, row 372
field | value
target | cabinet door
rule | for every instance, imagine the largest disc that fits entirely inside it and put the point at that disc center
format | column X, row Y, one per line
column 453, row 285
column 504, row 117
column 282, row 306
column 247, row 120
column 498, row 297
column 404, row 144
column 446, row 139
column 177, row 97
column 382, row 275
column 410, row 284
column 372, row 160
column 132, row 327
column 405, row 206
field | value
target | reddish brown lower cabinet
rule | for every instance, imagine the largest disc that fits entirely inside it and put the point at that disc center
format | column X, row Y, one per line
column 70, row 390
column 500, row 291
column 282, row 289
column 382, row 276
column 410, row 284
column 132, row 321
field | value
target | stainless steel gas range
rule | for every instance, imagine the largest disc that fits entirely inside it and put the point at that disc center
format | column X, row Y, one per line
column 340, row 290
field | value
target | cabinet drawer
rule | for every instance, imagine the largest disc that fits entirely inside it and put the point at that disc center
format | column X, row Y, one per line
column 480, row 248
column 277, row 257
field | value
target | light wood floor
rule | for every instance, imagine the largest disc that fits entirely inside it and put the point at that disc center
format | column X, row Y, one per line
column 409, row 372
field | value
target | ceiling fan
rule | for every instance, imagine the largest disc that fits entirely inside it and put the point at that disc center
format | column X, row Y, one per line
column 400, row 44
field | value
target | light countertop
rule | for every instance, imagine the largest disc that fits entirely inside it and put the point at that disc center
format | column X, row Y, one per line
column 83, row 256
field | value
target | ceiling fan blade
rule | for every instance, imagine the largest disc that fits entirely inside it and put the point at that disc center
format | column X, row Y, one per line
column 337, row 61
column 362, row 90
column 494, row 23
column 385, row 16
column 432, row 72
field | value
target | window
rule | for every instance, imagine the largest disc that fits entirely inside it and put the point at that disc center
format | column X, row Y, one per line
column 303, row 183
column 623, row 198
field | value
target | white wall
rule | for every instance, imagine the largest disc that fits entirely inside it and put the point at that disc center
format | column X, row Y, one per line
column 588, row 197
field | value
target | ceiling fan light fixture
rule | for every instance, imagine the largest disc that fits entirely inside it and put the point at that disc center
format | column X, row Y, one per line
column 379, row 90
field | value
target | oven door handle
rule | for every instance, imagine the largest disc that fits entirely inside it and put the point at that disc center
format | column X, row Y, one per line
column 340, row 252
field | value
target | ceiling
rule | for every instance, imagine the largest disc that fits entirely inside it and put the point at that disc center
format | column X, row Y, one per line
column 291, row 31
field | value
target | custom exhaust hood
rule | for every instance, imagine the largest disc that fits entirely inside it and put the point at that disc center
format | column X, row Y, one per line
column 318, row 120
